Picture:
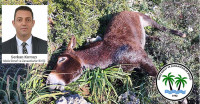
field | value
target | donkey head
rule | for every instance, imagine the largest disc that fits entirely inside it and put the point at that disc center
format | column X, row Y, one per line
column 67, row 69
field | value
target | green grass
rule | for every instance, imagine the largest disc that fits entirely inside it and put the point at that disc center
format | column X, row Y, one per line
column 0, row 26
column 27, row 88
column 102, row 84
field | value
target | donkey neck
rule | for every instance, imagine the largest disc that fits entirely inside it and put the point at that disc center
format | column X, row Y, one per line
column 95, row 55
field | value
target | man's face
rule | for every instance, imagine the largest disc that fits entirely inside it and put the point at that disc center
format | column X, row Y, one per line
column 23, row 23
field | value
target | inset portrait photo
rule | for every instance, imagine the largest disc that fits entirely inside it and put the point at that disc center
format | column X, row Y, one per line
column 24, row 30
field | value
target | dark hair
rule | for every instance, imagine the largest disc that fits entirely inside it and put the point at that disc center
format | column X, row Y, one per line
column 23, row 8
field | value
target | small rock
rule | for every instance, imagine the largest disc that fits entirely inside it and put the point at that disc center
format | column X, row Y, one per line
column 190, row 29
column 72, row 99
column 128, row 98
column 92, row 40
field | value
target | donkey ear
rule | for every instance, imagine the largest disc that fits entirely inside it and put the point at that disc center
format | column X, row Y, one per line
column 72, row 43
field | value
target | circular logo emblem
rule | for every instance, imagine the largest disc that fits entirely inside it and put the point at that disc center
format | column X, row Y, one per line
column 174, row 81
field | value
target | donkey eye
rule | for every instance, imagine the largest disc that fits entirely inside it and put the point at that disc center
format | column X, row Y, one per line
column 61, row 59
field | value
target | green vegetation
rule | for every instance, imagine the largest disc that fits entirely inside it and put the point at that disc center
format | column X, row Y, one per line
column 81, row 18
column 102, row 84
column 86, row 18
column 12, row 2
column 0, row 25
column 25, row 86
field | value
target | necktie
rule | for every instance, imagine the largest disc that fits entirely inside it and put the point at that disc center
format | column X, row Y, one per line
column 24, row 48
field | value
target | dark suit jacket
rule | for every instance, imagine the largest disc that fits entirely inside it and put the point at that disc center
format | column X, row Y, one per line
column 39, row 46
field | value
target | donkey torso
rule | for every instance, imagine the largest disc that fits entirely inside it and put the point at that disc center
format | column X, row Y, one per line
column 123, row 44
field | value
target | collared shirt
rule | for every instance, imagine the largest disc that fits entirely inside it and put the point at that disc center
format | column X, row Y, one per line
column 28, row 46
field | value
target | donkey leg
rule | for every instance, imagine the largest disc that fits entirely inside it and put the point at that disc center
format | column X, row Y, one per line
column 138, row 59
column 147, row 21
column 147, row 64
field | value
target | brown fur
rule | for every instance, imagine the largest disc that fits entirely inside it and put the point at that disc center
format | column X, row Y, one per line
column 122, row 44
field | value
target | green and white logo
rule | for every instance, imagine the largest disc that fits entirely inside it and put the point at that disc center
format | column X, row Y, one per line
column 174, row 81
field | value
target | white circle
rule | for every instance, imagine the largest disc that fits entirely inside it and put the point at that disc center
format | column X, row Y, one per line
column 177, row 70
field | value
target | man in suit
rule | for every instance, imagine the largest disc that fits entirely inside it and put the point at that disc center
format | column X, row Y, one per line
column 23, row 42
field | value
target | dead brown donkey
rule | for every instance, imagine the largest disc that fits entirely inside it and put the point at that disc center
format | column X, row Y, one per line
column 123, row 43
